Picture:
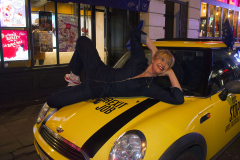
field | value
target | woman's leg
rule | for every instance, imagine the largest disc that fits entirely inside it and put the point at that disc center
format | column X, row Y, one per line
column 138, row 61
column 85, row 56
column 71, row 95
column 76, row 64
column 138, row 37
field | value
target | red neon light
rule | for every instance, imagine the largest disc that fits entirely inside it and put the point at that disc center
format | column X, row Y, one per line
column 225, row 70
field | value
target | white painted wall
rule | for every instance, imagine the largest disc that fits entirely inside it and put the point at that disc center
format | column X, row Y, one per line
column 154, row 20
column 193, row 18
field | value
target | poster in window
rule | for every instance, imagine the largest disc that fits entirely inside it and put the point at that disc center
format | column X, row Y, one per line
column 224, row 1
column 233, row 2
column 45, row 40
column 13, row 13
column 35, row 19
column 45, row 21
column 68, row 33
column 15, row 45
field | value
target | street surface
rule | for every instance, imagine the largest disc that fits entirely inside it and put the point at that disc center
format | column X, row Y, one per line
column 16, row 135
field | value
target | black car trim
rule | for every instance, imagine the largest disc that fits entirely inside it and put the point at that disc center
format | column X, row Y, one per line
column 99, row 138
column 205, row 117
column 186, row 142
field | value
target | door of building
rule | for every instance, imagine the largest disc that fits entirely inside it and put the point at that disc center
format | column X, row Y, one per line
column 113, row 32
column 176, row 19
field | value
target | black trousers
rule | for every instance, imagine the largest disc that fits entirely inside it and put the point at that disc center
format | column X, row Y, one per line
column 103, row 81
column 99, row 77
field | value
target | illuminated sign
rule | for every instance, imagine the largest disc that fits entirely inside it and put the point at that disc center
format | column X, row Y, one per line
column 15, row 45
column 13, row 13
column 233, row 2
column 224, row 1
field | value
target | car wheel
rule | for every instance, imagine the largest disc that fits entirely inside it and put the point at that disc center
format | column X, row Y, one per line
column 192, row 153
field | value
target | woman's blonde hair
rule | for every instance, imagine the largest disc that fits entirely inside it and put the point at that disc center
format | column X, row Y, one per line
column 162, row 52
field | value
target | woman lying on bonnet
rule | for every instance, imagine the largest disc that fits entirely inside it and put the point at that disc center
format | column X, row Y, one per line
column 136, row 78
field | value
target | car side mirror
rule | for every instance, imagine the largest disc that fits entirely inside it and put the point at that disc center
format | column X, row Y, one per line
column 230, row 87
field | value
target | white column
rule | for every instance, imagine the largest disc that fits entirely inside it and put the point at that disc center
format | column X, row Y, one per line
column 193, row 18
column 154, row 20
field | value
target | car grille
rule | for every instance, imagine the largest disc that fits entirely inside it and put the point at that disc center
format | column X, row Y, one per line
column 61, row 145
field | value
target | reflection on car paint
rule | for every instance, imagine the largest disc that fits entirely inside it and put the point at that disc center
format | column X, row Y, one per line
column 62, row 118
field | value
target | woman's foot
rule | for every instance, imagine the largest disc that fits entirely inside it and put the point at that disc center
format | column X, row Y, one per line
column 72, row 79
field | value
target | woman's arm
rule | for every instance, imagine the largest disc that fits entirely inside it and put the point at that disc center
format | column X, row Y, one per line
column 151, row 46
column 173, row 79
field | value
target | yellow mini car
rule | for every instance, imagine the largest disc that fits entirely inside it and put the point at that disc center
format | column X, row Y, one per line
column 136, row 128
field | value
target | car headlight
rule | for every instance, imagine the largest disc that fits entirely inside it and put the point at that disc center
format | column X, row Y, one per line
column 129, row 146
column 43, row 113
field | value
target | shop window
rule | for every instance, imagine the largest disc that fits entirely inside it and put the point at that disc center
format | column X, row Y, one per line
column 218, row 22
column 211, row 20
column 225, row 16
column 15, row 36
column 238, row 28
column 235, row 23
column 230, row 17
column 203, row 24
column 44, row 35
column 67, row 30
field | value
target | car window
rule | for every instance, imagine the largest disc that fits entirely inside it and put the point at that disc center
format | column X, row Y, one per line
column 225, row 68
column 188, row 68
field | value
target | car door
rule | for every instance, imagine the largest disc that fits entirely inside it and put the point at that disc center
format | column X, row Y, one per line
column 226, row 113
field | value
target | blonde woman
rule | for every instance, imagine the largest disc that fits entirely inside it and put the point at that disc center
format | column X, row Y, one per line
column 135, row 78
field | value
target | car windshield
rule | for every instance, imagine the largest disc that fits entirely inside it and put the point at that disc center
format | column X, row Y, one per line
column 188, row 67
column 225, row 68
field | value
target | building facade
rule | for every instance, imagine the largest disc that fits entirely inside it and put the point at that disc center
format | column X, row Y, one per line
column 38, row 39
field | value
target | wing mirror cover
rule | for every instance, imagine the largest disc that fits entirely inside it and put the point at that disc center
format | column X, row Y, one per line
column 230, row 87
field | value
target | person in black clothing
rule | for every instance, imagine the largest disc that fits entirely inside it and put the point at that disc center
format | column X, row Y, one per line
column 136, row 78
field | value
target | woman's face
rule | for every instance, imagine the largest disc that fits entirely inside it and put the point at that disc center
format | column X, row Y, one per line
column 161, row 64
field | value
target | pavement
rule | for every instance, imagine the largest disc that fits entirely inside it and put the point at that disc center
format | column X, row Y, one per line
column 16, row 135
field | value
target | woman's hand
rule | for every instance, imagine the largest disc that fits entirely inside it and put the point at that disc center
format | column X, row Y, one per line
column 153, row 53
column 151, row 46
column 172, row 77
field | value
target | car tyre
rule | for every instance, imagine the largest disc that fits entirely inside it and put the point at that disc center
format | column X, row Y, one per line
column 192, row 153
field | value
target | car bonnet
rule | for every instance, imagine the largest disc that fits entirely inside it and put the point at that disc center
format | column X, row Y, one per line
column 85, row 124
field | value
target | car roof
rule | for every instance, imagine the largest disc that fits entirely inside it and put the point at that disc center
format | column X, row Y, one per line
column 197, row 44
column 192, row 43
column 188, row 42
